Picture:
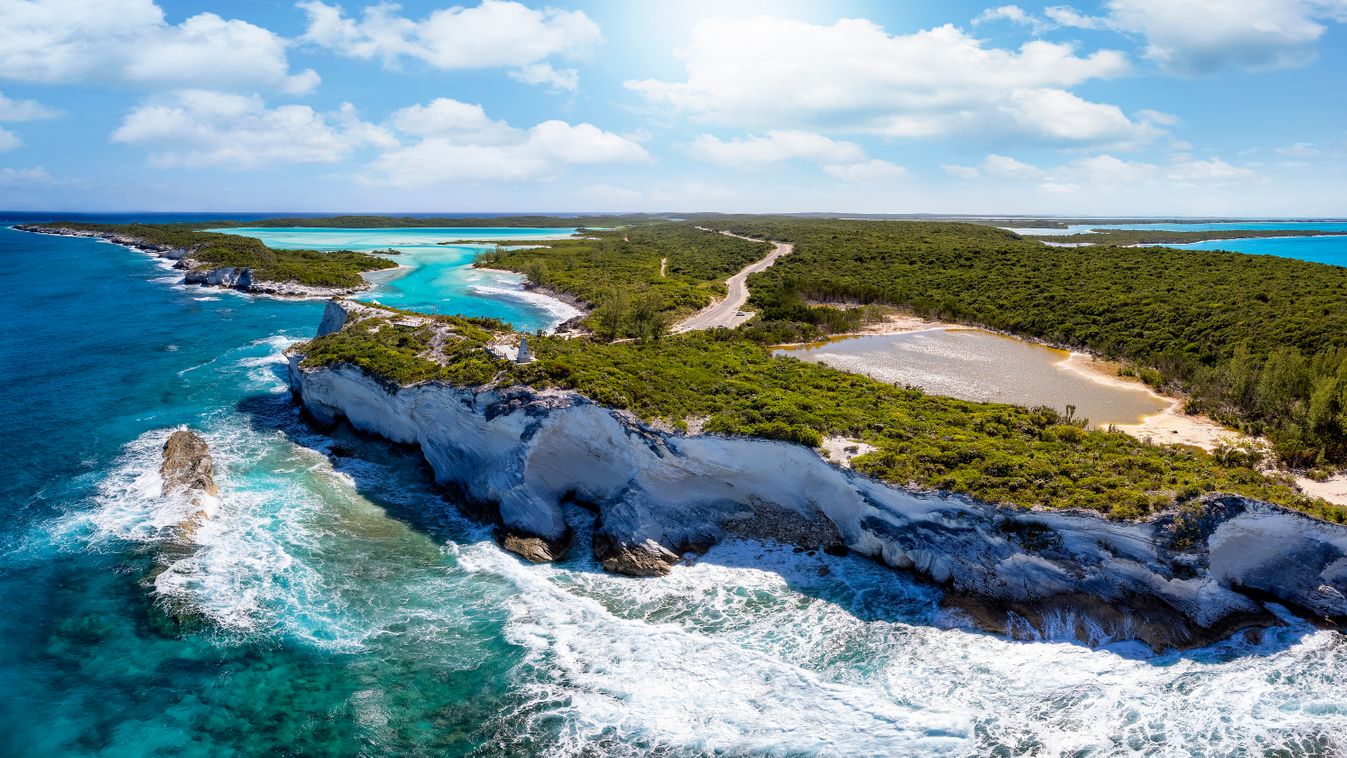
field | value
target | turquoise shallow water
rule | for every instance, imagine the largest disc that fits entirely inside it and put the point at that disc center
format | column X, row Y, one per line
column 345, row 609
column 435, row 276
column 1330, row 250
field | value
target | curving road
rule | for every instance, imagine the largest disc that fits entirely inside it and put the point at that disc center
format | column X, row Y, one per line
column 729, row 312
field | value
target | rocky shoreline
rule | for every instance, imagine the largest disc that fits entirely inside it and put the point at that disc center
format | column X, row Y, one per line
column 520, row 455
column 195, row 272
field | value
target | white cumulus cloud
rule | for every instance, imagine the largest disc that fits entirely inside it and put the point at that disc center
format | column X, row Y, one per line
column 1001, row 166
column 1004, row 165
column 23, row 110
column 864, row 172
column 205, row 128
column 1212, row 170
column 55, row 41
column 494, row 34
column 1013, row 14
column 842, row 160
column 1202, row 36
column 9, row 140
column 776, row 73
column 775, row 147
column 458, row 142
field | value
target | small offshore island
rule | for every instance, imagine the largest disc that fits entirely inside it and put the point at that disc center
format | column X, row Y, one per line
column 1025, row 516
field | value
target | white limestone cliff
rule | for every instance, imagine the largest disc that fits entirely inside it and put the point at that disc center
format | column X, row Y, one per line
column 520, row 455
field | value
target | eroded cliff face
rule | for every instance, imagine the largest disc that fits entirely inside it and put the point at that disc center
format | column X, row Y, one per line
column 519, row 455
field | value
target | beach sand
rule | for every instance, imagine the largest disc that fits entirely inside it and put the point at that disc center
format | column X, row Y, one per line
column 1332, row 489
column 1170, row 426
column 1174, row 427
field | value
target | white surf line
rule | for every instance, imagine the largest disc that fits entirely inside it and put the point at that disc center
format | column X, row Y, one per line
column 727, row 312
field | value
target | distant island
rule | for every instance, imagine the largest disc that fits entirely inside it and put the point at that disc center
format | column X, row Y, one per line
column 1122, row 237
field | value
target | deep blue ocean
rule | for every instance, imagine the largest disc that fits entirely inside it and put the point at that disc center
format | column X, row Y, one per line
column 341, row 606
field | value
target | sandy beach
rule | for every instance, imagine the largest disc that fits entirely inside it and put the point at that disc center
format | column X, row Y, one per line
column 1170, row 426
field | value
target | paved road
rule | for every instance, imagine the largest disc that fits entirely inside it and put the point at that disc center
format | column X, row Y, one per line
column 727, row 312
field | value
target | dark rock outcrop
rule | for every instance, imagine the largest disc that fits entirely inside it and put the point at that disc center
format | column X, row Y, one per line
column 187, row 471
column 187, row 465
column 533, row 548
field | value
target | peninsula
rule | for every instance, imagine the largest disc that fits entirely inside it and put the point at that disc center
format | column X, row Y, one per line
column 232, row 261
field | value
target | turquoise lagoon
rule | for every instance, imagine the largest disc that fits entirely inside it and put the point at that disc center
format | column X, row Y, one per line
column 345, row 608
column 433, row 276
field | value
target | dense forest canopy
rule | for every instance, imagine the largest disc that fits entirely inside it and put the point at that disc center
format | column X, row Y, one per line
column 733, row 385
column 637, row 279
column 1256, row 340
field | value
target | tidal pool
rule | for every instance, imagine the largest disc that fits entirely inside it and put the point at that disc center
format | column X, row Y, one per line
column 973, row 364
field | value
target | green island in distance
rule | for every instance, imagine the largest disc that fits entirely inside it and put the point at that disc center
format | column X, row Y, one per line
column 1255, row 341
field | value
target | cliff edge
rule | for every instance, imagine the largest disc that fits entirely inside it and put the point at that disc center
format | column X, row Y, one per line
column 1181, row 579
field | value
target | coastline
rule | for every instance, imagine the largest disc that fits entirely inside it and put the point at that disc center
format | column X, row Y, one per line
column 1170, row 426
column 238, row 279
column 573, row 308
column 1050, row 242
column 661, row 495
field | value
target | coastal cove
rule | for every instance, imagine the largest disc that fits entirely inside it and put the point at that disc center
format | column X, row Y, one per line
column 982, row 366
column 339, row 580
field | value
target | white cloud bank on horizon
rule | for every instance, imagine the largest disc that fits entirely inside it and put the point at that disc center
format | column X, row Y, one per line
column 494, row 34
column 205, row 128
column 457, row 141
column 1106, row 170
column 845, row 161
column 441, row 141
column 854, row 77
column 63, row 41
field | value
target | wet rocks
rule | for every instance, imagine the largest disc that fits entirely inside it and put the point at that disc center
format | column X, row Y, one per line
column 648, row 558
column 533, row 548
column 187, row 464
column 187, row 471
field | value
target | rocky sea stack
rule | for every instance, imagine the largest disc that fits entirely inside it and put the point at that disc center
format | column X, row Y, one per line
column 188, row 472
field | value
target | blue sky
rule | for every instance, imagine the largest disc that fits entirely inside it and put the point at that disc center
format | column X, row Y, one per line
column 1182, row 107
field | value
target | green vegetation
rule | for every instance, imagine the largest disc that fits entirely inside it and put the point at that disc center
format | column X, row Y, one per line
column 412, row 350
column 1122, row 237
column 999, row 453
column 1257, row 341
column 619, row 273
column 212, row 250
